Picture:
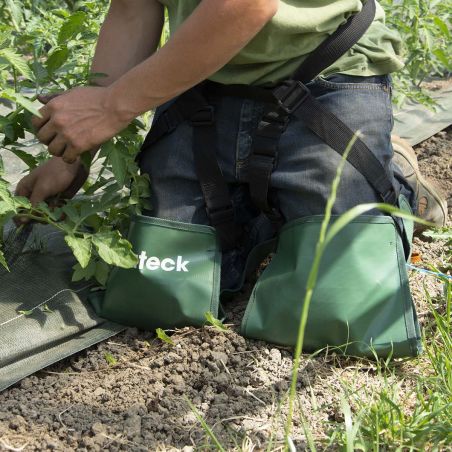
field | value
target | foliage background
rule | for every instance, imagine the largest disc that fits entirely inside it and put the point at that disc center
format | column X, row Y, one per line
column 47, row 46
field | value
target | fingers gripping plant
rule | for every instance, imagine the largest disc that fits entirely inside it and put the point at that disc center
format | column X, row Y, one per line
column 42, row 48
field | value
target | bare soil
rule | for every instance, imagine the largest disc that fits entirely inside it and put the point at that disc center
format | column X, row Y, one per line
column 140, row 403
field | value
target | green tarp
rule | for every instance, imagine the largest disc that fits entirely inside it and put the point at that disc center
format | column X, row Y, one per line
column 43, row 316
column 416, row 123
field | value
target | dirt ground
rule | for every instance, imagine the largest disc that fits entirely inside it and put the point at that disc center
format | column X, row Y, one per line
column 140, row 403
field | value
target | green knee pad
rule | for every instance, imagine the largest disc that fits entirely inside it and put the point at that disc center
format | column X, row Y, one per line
column 176, row 281
column 361, row 303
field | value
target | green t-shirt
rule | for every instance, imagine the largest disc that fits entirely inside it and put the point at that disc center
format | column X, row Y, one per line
column 297, row 29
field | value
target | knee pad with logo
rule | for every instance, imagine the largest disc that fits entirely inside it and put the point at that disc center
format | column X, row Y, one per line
column 175, row 283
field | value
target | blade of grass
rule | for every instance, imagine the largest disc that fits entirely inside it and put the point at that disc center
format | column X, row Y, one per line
column 310, row 286
column 205, row 426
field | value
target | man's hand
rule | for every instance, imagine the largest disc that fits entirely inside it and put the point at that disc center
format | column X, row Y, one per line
column 52, row 178
column 77, row 121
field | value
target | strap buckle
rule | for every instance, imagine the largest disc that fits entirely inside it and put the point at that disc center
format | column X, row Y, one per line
column 205, row 116
column 170, row 118
column 290, row 95
column 390, row 197
column 221, row 215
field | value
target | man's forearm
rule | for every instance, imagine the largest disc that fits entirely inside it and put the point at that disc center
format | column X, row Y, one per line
column 84, row 118
column 130, row 34
column 196, row 51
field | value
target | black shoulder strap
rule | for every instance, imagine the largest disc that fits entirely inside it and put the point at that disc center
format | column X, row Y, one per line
column 192, row 106
column 293, row 97
column 336, row 45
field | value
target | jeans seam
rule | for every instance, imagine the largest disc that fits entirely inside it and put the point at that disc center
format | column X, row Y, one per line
column 352, row 86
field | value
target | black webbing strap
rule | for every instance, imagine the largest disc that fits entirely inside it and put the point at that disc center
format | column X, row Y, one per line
column 263, row 158
column 192, row 106
column 336, row 45
column 182, row 109
column 295, row 98
column 219, row 208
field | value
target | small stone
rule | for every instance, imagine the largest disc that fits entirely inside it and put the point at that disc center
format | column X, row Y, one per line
column 275, row 355
column 99, row 391
column 98, row 428
column 26, row 383
column 132, row 426
column 177, row 380
column 220, row 356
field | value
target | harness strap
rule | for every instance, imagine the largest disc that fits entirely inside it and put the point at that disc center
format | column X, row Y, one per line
column 293, row 94
column 219, row 207
column 336, row 45
column 295, row 99
column 263, row 158
column 192, row 106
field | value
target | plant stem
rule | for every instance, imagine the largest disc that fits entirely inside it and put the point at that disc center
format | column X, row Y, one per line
column 16, row 87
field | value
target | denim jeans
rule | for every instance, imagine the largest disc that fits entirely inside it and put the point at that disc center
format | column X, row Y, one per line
column 305, row 166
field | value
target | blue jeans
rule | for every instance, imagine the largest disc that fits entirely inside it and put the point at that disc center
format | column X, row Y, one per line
column 305, row 167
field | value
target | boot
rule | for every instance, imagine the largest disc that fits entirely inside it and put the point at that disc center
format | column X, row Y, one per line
column 431, row 205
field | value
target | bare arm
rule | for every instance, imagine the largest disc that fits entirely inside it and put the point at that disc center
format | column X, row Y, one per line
column 129, row 35
column 215, row 32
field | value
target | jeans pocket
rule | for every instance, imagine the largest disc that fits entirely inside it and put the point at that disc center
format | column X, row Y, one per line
column 351, row 82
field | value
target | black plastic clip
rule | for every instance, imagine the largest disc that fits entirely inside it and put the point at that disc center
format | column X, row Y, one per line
column 290, row 95
column 221, row 215
column 205, row 116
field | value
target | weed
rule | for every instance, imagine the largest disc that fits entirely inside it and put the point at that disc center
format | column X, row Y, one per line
column 217, row 324
column 164, row 337
column 111, row 360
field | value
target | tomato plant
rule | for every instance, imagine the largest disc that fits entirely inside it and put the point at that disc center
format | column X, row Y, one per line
column 45, row 48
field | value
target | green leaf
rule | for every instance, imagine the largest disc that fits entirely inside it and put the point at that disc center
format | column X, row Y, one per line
column 102, row 272
column 17, row 62
column 71, row 212
column 26, row 313
column 442, row 26
column 46, row 308
column 29, row 159
column 442, row 56
column 16, row 13
column 118, row 161
column 217, row 324
column 81, row 247
column 83, row 273
column 439, row 234
column 21, row 100
column 3, row 262
column 115, row 250
column 27, row 104
column 6, row 208
column 86, row 158
column 57, row 59
column 71, row 27
column 111, row 360
column 163, row 336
